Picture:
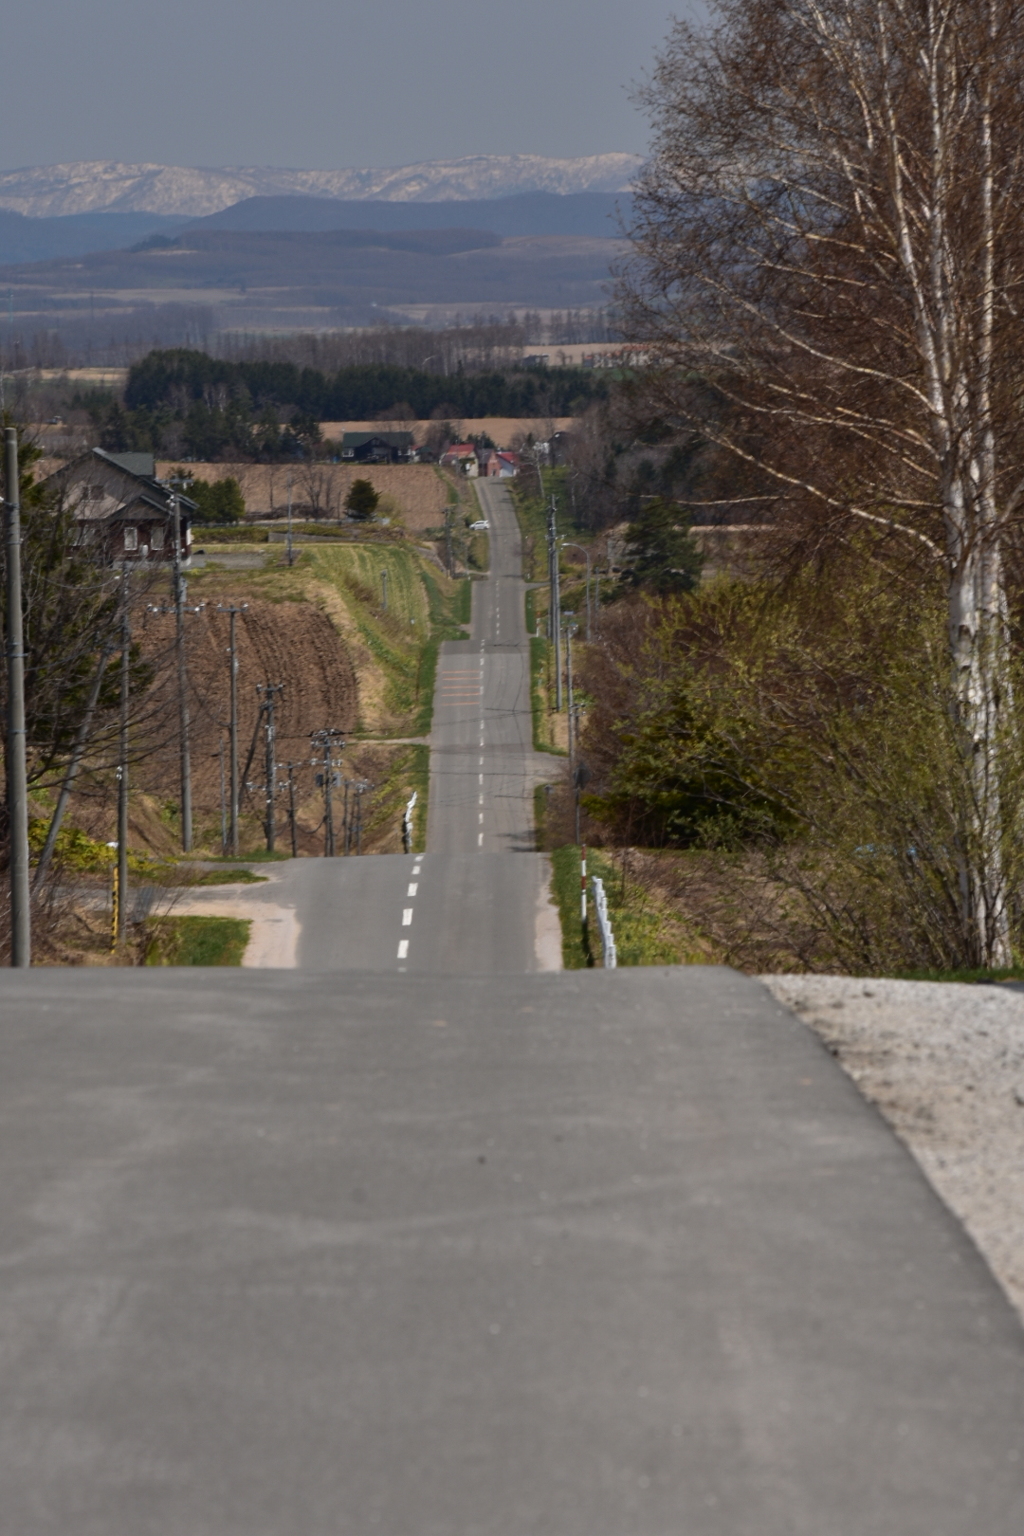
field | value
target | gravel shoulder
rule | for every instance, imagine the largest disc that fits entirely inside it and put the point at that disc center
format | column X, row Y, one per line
column 944, row 1063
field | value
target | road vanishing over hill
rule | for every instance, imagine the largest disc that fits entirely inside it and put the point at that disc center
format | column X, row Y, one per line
column 464, row 906
column 433, row 1243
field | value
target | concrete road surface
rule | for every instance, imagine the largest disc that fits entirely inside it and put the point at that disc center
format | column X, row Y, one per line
column 606, row 1254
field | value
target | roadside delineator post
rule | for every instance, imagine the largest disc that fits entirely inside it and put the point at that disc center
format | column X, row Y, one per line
column 407, row 824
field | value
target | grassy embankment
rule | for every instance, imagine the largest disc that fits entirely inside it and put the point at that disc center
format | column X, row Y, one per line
column 541, row 681
column 646, row 930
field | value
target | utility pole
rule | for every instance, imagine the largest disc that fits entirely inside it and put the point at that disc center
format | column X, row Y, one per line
column 121, row 925
column 555, row 603
column 448, row 538
column 291, row 807
column 223, row 797
column 384, row 591
column 327, row 741
column 569, row 630
column 233, row 611
column 360, row 787
column 267, row 693
column 291, row 557
column 17, row 780
column 179, row 640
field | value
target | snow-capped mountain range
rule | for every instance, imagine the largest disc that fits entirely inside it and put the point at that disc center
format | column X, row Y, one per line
column 109, row 186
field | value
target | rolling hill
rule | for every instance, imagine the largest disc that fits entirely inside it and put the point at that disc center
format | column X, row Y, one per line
column 293, row 279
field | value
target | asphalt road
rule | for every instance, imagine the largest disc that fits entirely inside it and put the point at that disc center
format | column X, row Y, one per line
column 464, row 906
column 411, row 1239
column 616, row 1254
column 436, row 912
column 482, row 765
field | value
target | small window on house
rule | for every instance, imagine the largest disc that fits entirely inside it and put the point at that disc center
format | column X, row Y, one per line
column 156, row 538
column 131, row 538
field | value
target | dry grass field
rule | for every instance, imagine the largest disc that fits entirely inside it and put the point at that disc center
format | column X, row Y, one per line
column 413, row 495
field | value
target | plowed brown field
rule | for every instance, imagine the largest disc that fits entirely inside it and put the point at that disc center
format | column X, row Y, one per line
column 293, row 644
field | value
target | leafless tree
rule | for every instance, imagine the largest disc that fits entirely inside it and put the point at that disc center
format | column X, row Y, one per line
column 828, row 266
column 316, row 484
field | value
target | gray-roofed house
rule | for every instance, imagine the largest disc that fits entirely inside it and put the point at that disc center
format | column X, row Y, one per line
column 121, row 509
column 377, row 447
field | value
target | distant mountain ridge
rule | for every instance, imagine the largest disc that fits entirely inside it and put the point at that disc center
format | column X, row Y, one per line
column 109, row 186
column 527, row 213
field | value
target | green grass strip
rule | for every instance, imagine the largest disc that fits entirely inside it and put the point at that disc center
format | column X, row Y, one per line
column 479, row 554
column 426, row 676
column 539, row 657
column 419, row 778
column 197, row 941
column 231, row 877
column 565, row 887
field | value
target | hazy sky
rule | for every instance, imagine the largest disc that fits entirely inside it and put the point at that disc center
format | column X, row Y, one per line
column 321, row 84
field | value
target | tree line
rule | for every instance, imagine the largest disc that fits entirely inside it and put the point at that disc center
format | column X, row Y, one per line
column 188, row 402
column 826, row 276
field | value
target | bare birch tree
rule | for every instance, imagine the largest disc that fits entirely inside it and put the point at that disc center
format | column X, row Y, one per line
column 828, row 238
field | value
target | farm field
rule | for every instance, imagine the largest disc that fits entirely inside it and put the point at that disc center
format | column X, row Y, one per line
column 321, row 633
column 504, row 431
column 413, row 496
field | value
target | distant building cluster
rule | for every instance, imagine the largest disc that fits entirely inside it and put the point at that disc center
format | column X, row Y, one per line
column 401, row 448
column 481, row 463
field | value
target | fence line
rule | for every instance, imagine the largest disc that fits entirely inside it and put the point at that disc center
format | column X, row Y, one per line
column 604, row 926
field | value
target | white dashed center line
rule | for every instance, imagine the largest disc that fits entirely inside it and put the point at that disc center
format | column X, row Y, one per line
column 481, row 818
column 412, row 889
column 407, row 917
column 479, row 839
column 403, row 949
